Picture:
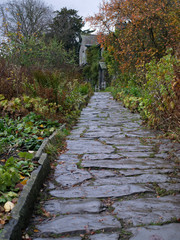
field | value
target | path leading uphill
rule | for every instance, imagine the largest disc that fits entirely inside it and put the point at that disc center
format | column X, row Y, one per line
column 116, row 181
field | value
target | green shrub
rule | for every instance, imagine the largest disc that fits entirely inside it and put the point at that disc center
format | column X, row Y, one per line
column 90, row 71
column 12, row 171
column 161, row 100
column 157, row 99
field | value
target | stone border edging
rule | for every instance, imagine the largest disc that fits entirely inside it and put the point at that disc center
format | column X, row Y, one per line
column 24, row 207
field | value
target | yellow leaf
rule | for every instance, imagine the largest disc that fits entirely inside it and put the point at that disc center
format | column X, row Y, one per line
column 22, row 177
column 36, row 230
column 161, row 108
column 24, row 181
column 172, row 105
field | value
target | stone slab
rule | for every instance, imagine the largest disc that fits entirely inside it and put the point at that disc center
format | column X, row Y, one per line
column 139, row 154
column 71, row 178
column 134, row 149
column 84, row 146
column 67, row 158
column 102, row 156
column 103, row 173
column 73, row 206
column 105, row 236
column 170, row 186
column 78, row 130
column 110, row 129
column 126, row 164
column 99, row 134
column 64, row 238
column 120, row 141
column 165, row 232
column 78, row 224
column 148, row 210
column 166, row 146
column 132, row 134
column 144, row 178
column 132, row 172
column 65, row 168
column 100, row 191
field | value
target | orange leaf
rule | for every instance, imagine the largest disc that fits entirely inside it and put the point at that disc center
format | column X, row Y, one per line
column 22, row 177
column 40, row 138
column 2, row 221
column 24, row 181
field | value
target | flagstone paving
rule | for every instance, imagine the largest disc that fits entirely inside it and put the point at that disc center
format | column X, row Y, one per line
column 116, row 180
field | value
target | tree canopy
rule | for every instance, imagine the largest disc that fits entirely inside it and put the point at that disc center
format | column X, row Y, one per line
column 66, row 27
column 27, row 17
column 134, row 31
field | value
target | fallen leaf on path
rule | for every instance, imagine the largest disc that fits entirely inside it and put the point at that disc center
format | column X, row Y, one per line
column 62, row 162
column 45, row 213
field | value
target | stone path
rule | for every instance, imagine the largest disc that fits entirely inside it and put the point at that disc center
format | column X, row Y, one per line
column 116, row 181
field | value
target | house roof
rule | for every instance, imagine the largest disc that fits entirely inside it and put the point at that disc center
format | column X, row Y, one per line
column 89, row 40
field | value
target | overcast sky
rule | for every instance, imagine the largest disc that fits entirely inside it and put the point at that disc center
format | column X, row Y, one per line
column 84, row 7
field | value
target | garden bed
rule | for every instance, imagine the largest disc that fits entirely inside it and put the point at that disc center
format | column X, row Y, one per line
column 19, row 215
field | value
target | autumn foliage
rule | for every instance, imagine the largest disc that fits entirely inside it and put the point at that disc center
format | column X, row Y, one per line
column 137, row 30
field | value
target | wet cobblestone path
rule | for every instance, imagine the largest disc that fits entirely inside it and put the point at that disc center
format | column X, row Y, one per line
column 116, row 180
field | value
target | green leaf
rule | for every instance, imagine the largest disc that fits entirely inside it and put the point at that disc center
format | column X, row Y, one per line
column 25, row 155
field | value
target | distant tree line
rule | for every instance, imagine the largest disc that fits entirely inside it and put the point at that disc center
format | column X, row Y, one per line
column 29, row 18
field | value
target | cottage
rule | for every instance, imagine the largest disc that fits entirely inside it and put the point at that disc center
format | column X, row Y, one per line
column 88, row 41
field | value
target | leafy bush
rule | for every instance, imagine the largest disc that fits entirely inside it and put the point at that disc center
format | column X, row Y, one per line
column 163, row 103
column 11, row 172
column 26, row 133
column 158, row 99
column 36, row 52
column 85, row 89
column 12, row 79
column 90, row 71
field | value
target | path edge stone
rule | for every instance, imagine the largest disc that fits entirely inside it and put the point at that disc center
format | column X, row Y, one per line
column 23, row 209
